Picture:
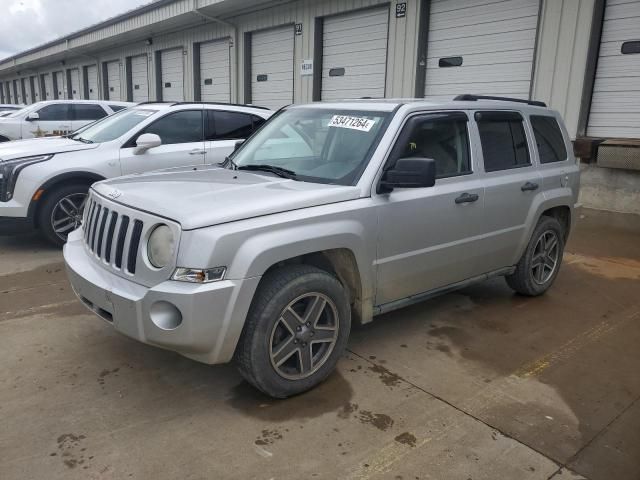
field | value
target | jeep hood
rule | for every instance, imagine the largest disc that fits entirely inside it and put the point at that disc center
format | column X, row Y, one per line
column 41, row 146
column 213, row 195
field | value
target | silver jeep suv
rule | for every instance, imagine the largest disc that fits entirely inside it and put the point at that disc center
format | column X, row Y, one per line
column 330, row 213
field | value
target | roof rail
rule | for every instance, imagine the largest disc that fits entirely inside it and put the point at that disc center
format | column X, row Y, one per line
column 223, row 103
column 472, row 98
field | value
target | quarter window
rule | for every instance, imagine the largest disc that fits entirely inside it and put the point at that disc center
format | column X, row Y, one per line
column 179, row 127
column 504, row 142
column 55, row 112
column 442, row 137
column 549, row 139
column 117, row 108
column 87, row 111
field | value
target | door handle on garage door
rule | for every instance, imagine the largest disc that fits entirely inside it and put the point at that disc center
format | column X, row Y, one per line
column 529, row 187
column 197, row 152
column 467, row 198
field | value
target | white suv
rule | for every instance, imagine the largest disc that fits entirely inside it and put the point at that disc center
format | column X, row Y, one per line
column 44, row 182
column 54, row 118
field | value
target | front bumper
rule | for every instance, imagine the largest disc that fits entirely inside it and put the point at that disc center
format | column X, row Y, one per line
column 212, row 315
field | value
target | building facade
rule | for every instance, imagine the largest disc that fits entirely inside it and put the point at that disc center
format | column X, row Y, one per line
column 582, row 57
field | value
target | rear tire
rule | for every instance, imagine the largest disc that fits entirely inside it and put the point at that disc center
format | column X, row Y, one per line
column 61, row 212
column 540, row 263
column 296, row 330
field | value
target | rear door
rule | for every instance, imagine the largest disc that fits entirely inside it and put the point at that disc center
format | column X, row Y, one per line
column 512, row 181
column 427, row 235
column 84, row 113
column 182, row 135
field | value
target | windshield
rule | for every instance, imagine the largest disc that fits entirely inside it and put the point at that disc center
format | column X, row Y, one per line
column 316, row 144
column 114, row 126
column 17, row 113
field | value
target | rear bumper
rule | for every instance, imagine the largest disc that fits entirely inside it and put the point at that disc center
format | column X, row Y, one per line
column 211, row 316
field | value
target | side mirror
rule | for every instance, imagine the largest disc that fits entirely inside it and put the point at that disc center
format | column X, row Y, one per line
column 33, row 116
column 145, row 142
column 238, row 144
column 413, row 172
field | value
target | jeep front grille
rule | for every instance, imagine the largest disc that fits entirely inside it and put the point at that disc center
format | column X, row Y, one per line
column 112, row 237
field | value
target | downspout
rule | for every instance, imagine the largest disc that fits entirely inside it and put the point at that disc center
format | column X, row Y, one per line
column 235, row 42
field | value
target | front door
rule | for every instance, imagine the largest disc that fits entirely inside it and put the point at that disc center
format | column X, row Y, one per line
column 426, row 234
column 55, row 120
column 223, row 130
column 182, row 136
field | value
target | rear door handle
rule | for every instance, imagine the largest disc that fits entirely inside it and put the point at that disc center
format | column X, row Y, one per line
column 467, row 198
column 529, row 187
column 197, row 152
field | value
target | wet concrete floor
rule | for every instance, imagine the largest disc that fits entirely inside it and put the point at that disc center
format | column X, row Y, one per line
column 478, row 384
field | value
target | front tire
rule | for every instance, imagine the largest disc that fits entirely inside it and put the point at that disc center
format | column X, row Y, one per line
column 539, row 266
column 61, row 212
column 296, row 330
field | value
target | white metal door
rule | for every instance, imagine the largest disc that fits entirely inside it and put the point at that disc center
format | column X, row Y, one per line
column 481, row 47
column 24, row 83
column 140, row 78
column 92, row 82
column 48, row 87
column 60, row 84
column 615, row 104
column 172, row 77
column 272, row 67
column 113, row 80
column 17, row 88
column 215, row 78
column 354, row 54
column 76, row 90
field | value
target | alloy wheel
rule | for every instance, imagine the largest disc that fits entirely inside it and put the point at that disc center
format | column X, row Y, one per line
column 66, row 215
column 304, row 336
column 546, row 254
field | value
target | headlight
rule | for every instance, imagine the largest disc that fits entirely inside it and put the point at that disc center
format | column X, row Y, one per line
column 9, row 171
column 161, row 246
column 196, row 275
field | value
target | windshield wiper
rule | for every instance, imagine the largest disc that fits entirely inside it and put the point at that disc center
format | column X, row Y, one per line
column 80, row 139
column 281, row 172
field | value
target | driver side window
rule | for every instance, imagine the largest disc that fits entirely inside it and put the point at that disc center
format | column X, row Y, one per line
column 444, row 138
column 55, row 112
column 185, row 126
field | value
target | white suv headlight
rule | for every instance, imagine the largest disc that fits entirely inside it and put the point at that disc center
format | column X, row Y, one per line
column 161, row 246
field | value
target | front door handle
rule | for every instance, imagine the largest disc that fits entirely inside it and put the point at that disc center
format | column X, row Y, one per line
column 197, row 152
column 529, row 187
column 467, row 198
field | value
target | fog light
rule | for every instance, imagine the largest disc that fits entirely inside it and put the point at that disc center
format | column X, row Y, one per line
column 165, row 315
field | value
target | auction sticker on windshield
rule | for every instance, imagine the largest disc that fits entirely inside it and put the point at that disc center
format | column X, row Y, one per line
column 354, row 123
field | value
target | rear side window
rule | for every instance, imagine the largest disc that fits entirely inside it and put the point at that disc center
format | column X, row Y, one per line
column 504, row 142
column 55, row 112
column 184, row 126
column 88, row 111
column 549, row 139
column 229, row 125
column 117, row 108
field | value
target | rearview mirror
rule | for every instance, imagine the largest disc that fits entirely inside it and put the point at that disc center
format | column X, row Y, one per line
column 145, row 142
column 238, row 144
column 33, row 116
column 413, row 172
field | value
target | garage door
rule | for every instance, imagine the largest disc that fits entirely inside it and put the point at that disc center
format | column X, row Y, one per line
column 483, row 47
column 215, row 78
column 24, row 84
column 33, row 88
column 17, row 90
column 172, row 76
column 114, row 88
column 354, row 55
column 92, row 82
column 140, row 78
column 76, row 91
column 272, row 67
column 615, row 104
column 48, row 86
column 60, row 85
